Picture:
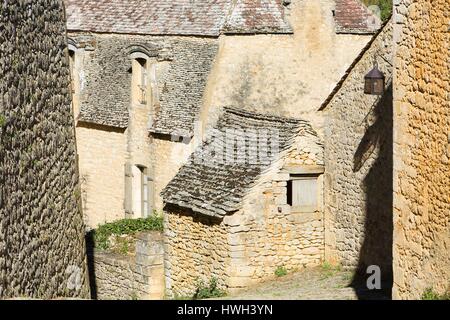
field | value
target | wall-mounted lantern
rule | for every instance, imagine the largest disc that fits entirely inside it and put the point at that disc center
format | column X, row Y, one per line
column 374, row 82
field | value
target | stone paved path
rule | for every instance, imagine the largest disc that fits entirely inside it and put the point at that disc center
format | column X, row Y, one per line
column 309, row 284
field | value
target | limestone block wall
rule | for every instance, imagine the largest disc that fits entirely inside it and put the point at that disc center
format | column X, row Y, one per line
column 358, row 167
column 247, row 246
column 195, row 249
column 42, row 249
column 139, row 277
column 421, row 148
column 169, row 156
column 180, row 66
column 102, row 153
column 272, row 73
column 267, row 234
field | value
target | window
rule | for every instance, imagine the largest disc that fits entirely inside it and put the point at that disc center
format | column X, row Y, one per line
column 74, row 79
column 140, row 81
column 146, row 193
column 303, row 193
column 138, row 192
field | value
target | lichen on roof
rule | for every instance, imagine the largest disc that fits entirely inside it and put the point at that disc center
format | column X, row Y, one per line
column 181, row 17
column 353, row 17
column 236, row 152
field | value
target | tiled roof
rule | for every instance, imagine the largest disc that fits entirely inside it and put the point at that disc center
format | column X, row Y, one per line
column 352, row 16
column 180, row 17
column 214, row 182
column 257, row 16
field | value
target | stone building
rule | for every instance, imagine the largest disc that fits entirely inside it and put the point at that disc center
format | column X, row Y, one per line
column 386, row 157
column 421, row 197
column 358, row 164
column 150, row 78
column 42, row 249
column 248, row 200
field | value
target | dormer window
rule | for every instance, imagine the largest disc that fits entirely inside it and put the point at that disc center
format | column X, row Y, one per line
column 143, row 81
column 141, row 88
column 75, row 86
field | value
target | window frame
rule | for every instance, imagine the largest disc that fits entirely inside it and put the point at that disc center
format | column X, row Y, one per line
column 290, row 192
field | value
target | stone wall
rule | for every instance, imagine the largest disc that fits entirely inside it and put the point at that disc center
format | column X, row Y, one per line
column 112, row 131
column 421, row 148
column 137, row 277
column 196, row 249
column 286, row 75
column 247, row 246
column 102, row 153
column 182, row 68
column 168, row 157
column 267, row 235
column 358, row 162
column 42, row 249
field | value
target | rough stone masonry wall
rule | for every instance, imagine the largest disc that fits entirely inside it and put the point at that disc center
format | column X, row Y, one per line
column 358, row 167
column 139, row 277
column 267, row 233
column 247, row 246
column 421, row 148
column 182, row 67
column 103, row 69
column 42, row 249
column 195, row 249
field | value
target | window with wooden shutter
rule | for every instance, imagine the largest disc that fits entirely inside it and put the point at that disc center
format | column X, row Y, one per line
column 128, row 200
column 143, row 81
column 303, row 193
column 147, row 194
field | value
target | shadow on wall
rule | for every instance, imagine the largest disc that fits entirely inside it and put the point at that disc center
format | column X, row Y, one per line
column 90, row 244
column 377, row 246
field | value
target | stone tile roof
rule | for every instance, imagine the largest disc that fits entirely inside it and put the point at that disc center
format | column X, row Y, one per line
column 214, row 182
column 352, row 16
column 257, row 16
column 181, row 17
column 180, row 83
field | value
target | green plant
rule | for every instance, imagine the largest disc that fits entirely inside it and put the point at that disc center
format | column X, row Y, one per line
column 208, row 290
column 430, row 294
column 123, row 245
column 384, row 5
column 134, row 296
column 329, row 270
column 281, row 271
column 326, row 266
column 125, row 227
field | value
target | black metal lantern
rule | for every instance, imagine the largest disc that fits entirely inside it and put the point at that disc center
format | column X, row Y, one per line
column 374, row 82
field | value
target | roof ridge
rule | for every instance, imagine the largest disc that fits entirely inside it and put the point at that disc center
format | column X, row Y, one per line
column 262, row 116
column 353, row 65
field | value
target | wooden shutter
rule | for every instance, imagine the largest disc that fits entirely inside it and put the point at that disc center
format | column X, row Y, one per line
column 128, row 200
column 304, row 194
column 151, row 191
column 148, row 194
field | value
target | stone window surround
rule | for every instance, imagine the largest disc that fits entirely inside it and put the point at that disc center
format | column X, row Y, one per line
column 152, row 96
column 76, row 85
